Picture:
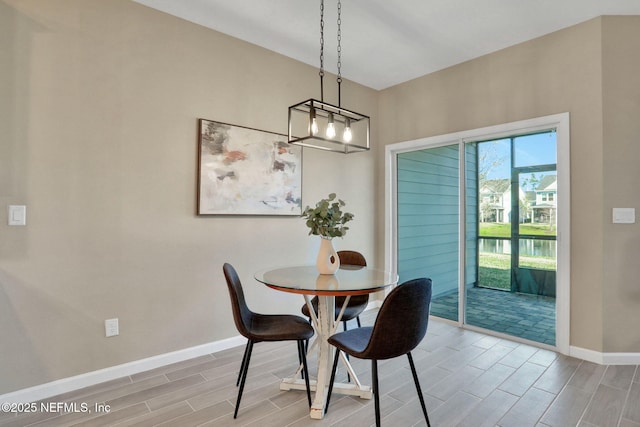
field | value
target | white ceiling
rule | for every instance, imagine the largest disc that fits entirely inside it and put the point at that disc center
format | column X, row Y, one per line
column 388, row 42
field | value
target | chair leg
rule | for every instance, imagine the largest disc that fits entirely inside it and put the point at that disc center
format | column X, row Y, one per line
column 244, row 360
column 376, row 395
column 305, row 370
column 333, row 377
column 415, row 380
column 300, row 352
column 344, row 325
column 358, row 320
column 243, row 374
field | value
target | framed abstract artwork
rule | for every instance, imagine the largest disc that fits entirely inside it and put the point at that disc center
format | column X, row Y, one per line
column 244, row 171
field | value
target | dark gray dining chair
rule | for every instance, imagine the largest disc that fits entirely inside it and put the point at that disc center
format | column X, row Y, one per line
column 357, row 303
column 264, row 327
column 399, row 327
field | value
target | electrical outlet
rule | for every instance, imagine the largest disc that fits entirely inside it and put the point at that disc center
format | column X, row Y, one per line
column 111, row 328
column 17, row 215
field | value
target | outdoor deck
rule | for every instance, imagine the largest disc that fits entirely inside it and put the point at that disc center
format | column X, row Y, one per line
column 531, row 317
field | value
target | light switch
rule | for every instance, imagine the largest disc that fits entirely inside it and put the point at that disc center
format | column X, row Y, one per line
column 17, row 215
column 624, row 215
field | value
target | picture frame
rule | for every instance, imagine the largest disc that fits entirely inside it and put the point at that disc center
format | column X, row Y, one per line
column 246, row 171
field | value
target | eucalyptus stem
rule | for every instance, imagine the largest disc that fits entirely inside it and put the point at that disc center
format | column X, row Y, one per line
column 327, row 218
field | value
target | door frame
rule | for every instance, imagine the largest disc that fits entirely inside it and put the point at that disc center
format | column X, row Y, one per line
column 559, row 122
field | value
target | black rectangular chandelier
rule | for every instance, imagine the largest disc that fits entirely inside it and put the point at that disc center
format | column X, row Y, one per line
column 318, row 124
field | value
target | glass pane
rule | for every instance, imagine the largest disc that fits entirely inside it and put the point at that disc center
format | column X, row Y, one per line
column 428, row 224
column 537, row 149
column 494, row 250
column 540, row 254
column 514, row 288
column 471, row 254
column 494, row 160
column 494, row 263
column 538, row 204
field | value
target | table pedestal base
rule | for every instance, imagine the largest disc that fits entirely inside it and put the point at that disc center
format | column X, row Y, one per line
column 317, row 411
column 349, row 280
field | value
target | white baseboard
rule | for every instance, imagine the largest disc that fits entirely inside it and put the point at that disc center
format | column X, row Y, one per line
column 65, row 385
column 622, row 358
column 605, row 358
column 586, row 354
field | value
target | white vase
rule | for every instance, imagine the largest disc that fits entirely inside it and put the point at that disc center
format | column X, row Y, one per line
column 328, row 261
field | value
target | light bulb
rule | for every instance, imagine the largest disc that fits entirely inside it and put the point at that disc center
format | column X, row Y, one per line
column 347, row 136
column 313, row 127
column 331, row 128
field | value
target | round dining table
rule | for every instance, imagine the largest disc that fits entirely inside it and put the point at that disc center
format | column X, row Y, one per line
column 347, row 281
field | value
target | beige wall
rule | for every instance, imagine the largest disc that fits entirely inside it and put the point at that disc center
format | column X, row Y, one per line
column 621, row 181
column 98, row 112
column 592, row 71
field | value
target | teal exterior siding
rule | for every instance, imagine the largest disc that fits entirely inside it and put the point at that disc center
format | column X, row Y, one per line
column 428, row 216
column 472, row 214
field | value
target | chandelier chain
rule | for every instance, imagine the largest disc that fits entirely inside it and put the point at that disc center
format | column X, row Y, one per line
column 322, row 38
column 339, row 40
column 339, row 79
column 321, row 73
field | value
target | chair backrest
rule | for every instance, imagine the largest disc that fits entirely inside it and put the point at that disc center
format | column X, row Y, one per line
column 402, row 320
column 241, row 313
column 352, row 258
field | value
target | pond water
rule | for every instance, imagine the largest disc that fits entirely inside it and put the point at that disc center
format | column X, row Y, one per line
column 528, row 247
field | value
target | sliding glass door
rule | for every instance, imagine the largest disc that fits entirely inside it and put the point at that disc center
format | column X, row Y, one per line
column 480, row 218
column 515, row 288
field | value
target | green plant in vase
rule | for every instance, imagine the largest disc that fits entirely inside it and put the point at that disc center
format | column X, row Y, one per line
column 327, row 220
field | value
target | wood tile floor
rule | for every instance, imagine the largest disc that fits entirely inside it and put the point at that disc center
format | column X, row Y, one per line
column 469, row 379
